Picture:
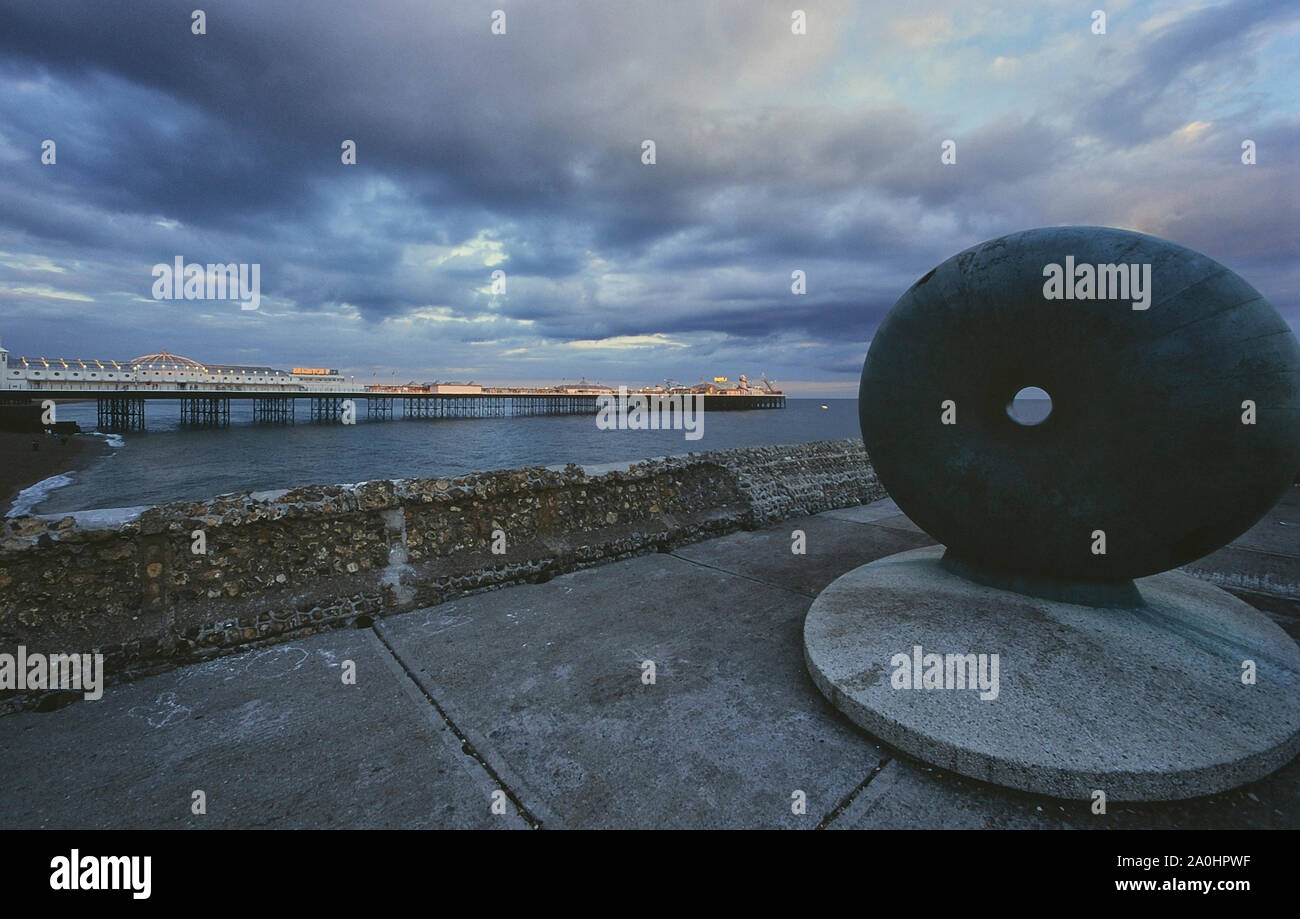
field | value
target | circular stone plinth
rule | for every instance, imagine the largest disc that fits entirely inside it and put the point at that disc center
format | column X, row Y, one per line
column 1145, row 704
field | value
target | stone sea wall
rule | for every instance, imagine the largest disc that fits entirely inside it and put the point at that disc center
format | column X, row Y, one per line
column 157, row 586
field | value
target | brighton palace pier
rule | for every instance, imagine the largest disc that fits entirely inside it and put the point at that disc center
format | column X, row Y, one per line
column 121, row 390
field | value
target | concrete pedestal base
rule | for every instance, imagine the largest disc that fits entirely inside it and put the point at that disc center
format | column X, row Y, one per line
column 1144, row 704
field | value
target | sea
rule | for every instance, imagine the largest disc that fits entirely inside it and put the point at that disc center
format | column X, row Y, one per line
column 171, row 463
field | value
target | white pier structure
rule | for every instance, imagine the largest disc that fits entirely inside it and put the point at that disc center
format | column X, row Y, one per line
column 121, row 389
column 161, row 372
column 204, row 391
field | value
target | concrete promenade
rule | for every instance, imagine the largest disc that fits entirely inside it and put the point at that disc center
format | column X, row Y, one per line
column 537, row 691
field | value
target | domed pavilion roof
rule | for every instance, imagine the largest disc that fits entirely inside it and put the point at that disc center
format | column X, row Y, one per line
column 164, row 361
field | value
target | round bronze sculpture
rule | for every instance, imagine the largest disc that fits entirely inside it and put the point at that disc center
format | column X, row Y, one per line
column 1175, row 404
column 1173, row 425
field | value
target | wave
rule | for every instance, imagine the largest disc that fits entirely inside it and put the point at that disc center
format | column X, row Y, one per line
column 113, row 440
column 29, row 497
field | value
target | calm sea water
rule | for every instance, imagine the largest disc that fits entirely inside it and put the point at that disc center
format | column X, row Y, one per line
column 169, row 464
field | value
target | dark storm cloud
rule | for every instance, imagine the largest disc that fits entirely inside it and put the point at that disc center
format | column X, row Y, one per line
column 523, row 154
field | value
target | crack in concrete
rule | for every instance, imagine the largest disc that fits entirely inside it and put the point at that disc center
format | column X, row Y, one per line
column 465, row 745
column 744, row 577
column 849, row 799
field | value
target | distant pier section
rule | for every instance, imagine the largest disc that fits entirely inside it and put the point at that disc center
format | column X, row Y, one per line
column 122, row 389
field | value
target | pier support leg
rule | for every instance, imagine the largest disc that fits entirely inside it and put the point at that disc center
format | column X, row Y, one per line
column 119, row 415
column 327, row 410
column 273, row 410
column 205, row 411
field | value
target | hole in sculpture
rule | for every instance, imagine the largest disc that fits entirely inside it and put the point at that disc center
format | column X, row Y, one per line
column 1030, row 406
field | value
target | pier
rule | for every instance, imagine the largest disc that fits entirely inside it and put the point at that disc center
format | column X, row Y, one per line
column 122, row 391
column 125, row 412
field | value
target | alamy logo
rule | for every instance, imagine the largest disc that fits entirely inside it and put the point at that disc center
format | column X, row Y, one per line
column 946, row 671
column 25, row 671
column 651, row 412
column 1098, row 282
column 103, row 872
column 181, row 281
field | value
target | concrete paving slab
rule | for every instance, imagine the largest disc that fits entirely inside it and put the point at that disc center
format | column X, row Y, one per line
column 901, row 522
column 547, row 682
column 908, row 794
column 273, row 737
column 1263, row 560
column 1290, row 498
column 1276, row 534
column 832, row 546
column 865, row 513
column 1237, row 568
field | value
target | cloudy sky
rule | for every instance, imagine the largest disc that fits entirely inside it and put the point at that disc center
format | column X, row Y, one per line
column 522, row 153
